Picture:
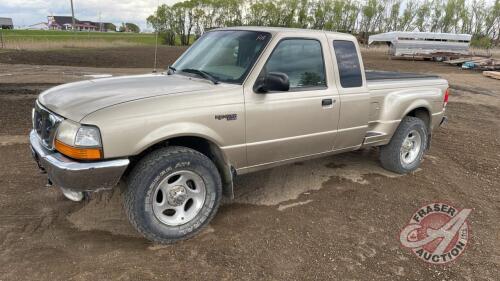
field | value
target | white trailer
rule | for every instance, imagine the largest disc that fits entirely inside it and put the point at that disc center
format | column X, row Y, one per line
column 424, row 44
column 6, row 23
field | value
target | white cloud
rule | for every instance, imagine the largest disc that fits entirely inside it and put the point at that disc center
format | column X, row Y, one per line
column 27, row 12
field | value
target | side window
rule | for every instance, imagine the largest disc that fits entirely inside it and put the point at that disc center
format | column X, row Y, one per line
column 348, row 64
column 301, row 60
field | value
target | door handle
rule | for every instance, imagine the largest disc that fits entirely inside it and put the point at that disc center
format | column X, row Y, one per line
column 327, row 102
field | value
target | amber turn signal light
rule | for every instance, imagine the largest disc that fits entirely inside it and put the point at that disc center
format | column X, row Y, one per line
column 78, row 153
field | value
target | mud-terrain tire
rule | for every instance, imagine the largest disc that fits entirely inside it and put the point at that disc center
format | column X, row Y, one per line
column 406, row 149
column 159, row 188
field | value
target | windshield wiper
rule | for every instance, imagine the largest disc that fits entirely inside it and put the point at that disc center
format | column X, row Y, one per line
column 201, row 73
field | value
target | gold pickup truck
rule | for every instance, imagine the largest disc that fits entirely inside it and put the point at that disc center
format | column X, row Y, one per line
column 239, row 100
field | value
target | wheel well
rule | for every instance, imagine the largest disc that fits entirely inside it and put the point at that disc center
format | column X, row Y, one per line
column 423, row 114
column 204, row 146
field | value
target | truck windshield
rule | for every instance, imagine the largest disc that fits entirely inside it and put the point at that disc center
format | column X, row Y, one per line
column 225, row 55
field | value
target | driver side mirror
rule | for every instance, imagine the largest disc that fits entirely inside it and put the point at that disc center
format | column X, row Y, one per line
column 273, row 81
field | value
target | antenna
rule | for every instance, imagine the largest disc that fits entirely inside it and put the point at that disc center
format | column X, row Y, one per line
column 72, row 16
column 156, row 38
column 100, row 22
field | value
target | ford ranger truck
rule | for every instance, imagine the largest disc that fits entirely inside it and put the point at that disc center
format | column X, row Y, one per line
column 237, row 101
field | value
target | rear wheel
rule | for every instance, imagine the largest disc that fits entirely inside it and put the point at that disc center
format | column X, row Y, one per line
column 405, row 151
column 172, row 194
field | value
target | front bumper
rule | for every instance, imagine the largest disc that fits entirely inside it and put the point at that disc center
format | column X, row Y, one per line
column 73, row 175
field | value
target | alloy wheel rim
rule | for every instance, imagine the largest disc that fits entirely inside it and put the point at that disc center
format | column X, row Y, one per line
column 178, row 198
column 410, row 149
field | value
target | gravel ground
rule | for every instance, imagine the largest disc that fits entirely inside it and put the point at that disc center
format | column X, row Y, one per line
column 336, row 218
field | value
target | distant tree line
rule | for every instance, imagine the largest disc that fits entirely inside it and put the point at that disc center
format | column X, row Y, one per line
column 187, row 20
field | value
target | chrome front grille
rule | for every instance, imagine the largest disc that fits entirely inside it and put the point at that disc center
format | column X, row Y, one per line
column 45, row 124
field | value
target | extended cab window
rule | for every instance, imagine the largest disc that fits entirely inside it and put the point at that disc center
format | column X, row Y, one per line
column 301, row 60
column 348, row 64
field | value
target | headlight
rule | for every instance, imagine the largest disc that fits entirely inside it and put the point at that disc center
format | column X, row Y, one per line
column 78, row 141
column 88, row 136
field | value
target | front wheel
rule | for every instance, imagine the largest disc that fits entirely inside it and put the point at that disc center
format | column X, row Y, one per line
column 172, row 193
column 406, row 149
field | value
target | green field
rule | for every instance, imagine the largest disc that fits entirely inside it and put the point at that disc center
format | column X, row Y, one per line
column 41, row 39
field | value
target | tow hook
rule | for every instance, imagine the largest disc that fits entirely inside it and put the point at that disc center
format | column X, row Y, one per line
column 75, row 196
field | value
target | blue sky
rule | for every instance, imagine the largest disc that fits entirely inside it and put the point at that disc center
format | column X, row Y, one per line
column 28, row 12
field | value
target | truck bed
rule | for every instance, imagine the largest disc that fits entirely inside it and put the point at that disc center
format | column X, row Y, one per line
column 372, row 75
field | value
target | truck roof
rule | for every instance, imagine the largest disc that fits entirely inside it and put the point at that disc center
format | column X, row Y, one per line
column 275, row 30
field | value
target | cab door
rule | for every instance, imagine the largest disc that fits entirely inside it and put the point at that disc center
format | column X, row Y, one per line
column 283, row 125
column 353, row 91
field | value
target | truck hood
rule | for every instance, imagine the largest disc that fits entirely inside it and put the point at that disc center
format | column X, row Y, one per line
column 76, row 100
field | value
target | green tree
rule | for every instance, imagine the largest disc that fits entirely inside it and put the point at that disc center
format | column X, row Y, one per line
column 191, row 18
column 391, row 22
column 110, row 26
column 409, row 13
column 492, row 23
column 163, row 21
column 370, row 13
column 436, row 16
column 423, row 15
column 129, row 27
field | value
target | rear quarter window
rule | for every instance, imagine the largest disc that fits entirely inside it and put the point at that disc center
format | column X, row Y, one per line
column 348, row 64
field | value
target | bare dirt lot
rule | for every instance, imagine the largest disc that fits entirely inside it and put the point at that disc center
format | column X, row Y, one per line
column 336, row 218
column 138, row 57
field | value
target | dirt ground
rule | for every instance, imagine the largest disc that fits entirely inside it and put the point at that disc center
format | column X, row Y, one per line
column 336, row 218
column 137, row 57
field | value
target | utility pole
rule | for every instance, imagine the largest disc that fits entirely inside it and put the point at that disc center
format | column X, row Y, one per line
column 156, row 39
column 100, row 22
column 73, row 15
column 1, row 37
